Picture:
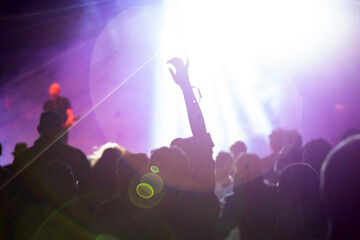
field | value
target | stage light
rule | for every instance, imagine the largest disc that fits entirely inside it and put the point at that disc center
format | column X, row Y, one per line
column 242, row 55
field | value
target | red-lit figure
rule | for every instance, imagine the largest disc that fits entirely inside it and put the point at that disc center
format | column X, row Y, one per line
column 62, row 106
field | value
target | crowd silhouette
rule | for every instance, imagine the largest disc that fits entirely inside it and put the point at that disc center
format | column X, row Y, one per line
column 300, row 191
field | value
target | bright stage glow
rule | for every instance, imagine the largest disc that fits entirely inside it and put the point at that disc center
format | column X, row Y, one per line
column 242, row 54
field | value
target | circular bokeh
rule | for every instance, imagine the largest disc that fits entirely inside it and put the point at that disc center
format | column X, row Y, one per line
column 144, row 190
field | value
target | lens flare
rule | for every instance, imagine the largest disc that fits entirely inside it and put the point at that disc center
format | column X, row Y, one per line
column 144, row 190
column 105, row 237
column 154, row 181
column 154, row 169
column 142, row 194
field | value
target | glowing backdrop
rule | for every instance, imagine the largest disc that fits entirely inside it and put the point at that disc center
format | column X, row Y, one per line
column 242, row 58
column 245, row 57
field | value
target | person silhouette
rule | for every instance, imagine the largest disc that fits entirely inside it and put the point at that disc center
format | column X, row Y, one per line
column 339, row 178
column 62, row 106
column 49, row 148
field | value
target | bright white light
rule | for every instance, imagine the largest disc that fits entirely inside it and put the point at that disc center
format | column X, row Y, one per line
column 240, row 53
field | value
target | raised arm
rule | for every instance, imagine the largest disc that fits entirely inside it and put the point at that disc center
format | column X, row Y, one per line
column 181, row 78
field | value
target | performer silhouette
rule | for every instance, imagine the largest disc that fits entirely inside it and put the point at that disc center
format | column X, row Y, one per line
column 62, row 106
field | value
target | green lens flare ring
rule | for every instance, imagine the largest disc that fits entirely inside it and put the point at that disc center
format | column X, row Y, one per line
column 144, row 190
column 105, row 237
column 154, row 169
column 154, row 181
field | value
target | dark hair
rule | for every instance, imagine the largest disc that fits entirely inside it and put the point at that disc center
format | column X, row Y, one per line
column 173, row 165
column 340, row 176
column 315, row 152
column 237, row 148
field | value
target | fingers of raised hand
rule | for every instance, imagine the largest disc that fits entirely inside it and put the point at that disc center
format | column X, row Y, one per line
column 178, row 63
column 172, row 72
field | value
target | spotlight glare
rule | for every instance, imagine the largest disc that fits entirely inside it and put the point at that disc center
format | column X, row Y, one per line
column 240, row 53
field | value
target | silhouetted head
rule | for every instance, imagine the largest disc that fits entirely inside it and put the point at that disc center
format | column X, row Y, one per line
column 128, row 166
column 185, row 144
column 137, row 161
column 289, row 154
column 237, row 148
column 50, row 124
column 172, row 165
column 19, row 148
column 223, row 160
column 315, row 152
column 248, row 168
column 299, row 184
column 340, row 178
column 294, row 138
column 54, row 89
column 277, row 139
column 105, row 169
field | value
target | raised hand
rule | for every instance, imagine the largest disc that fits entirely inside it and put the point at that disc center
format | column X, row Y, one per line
column 181, row 77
